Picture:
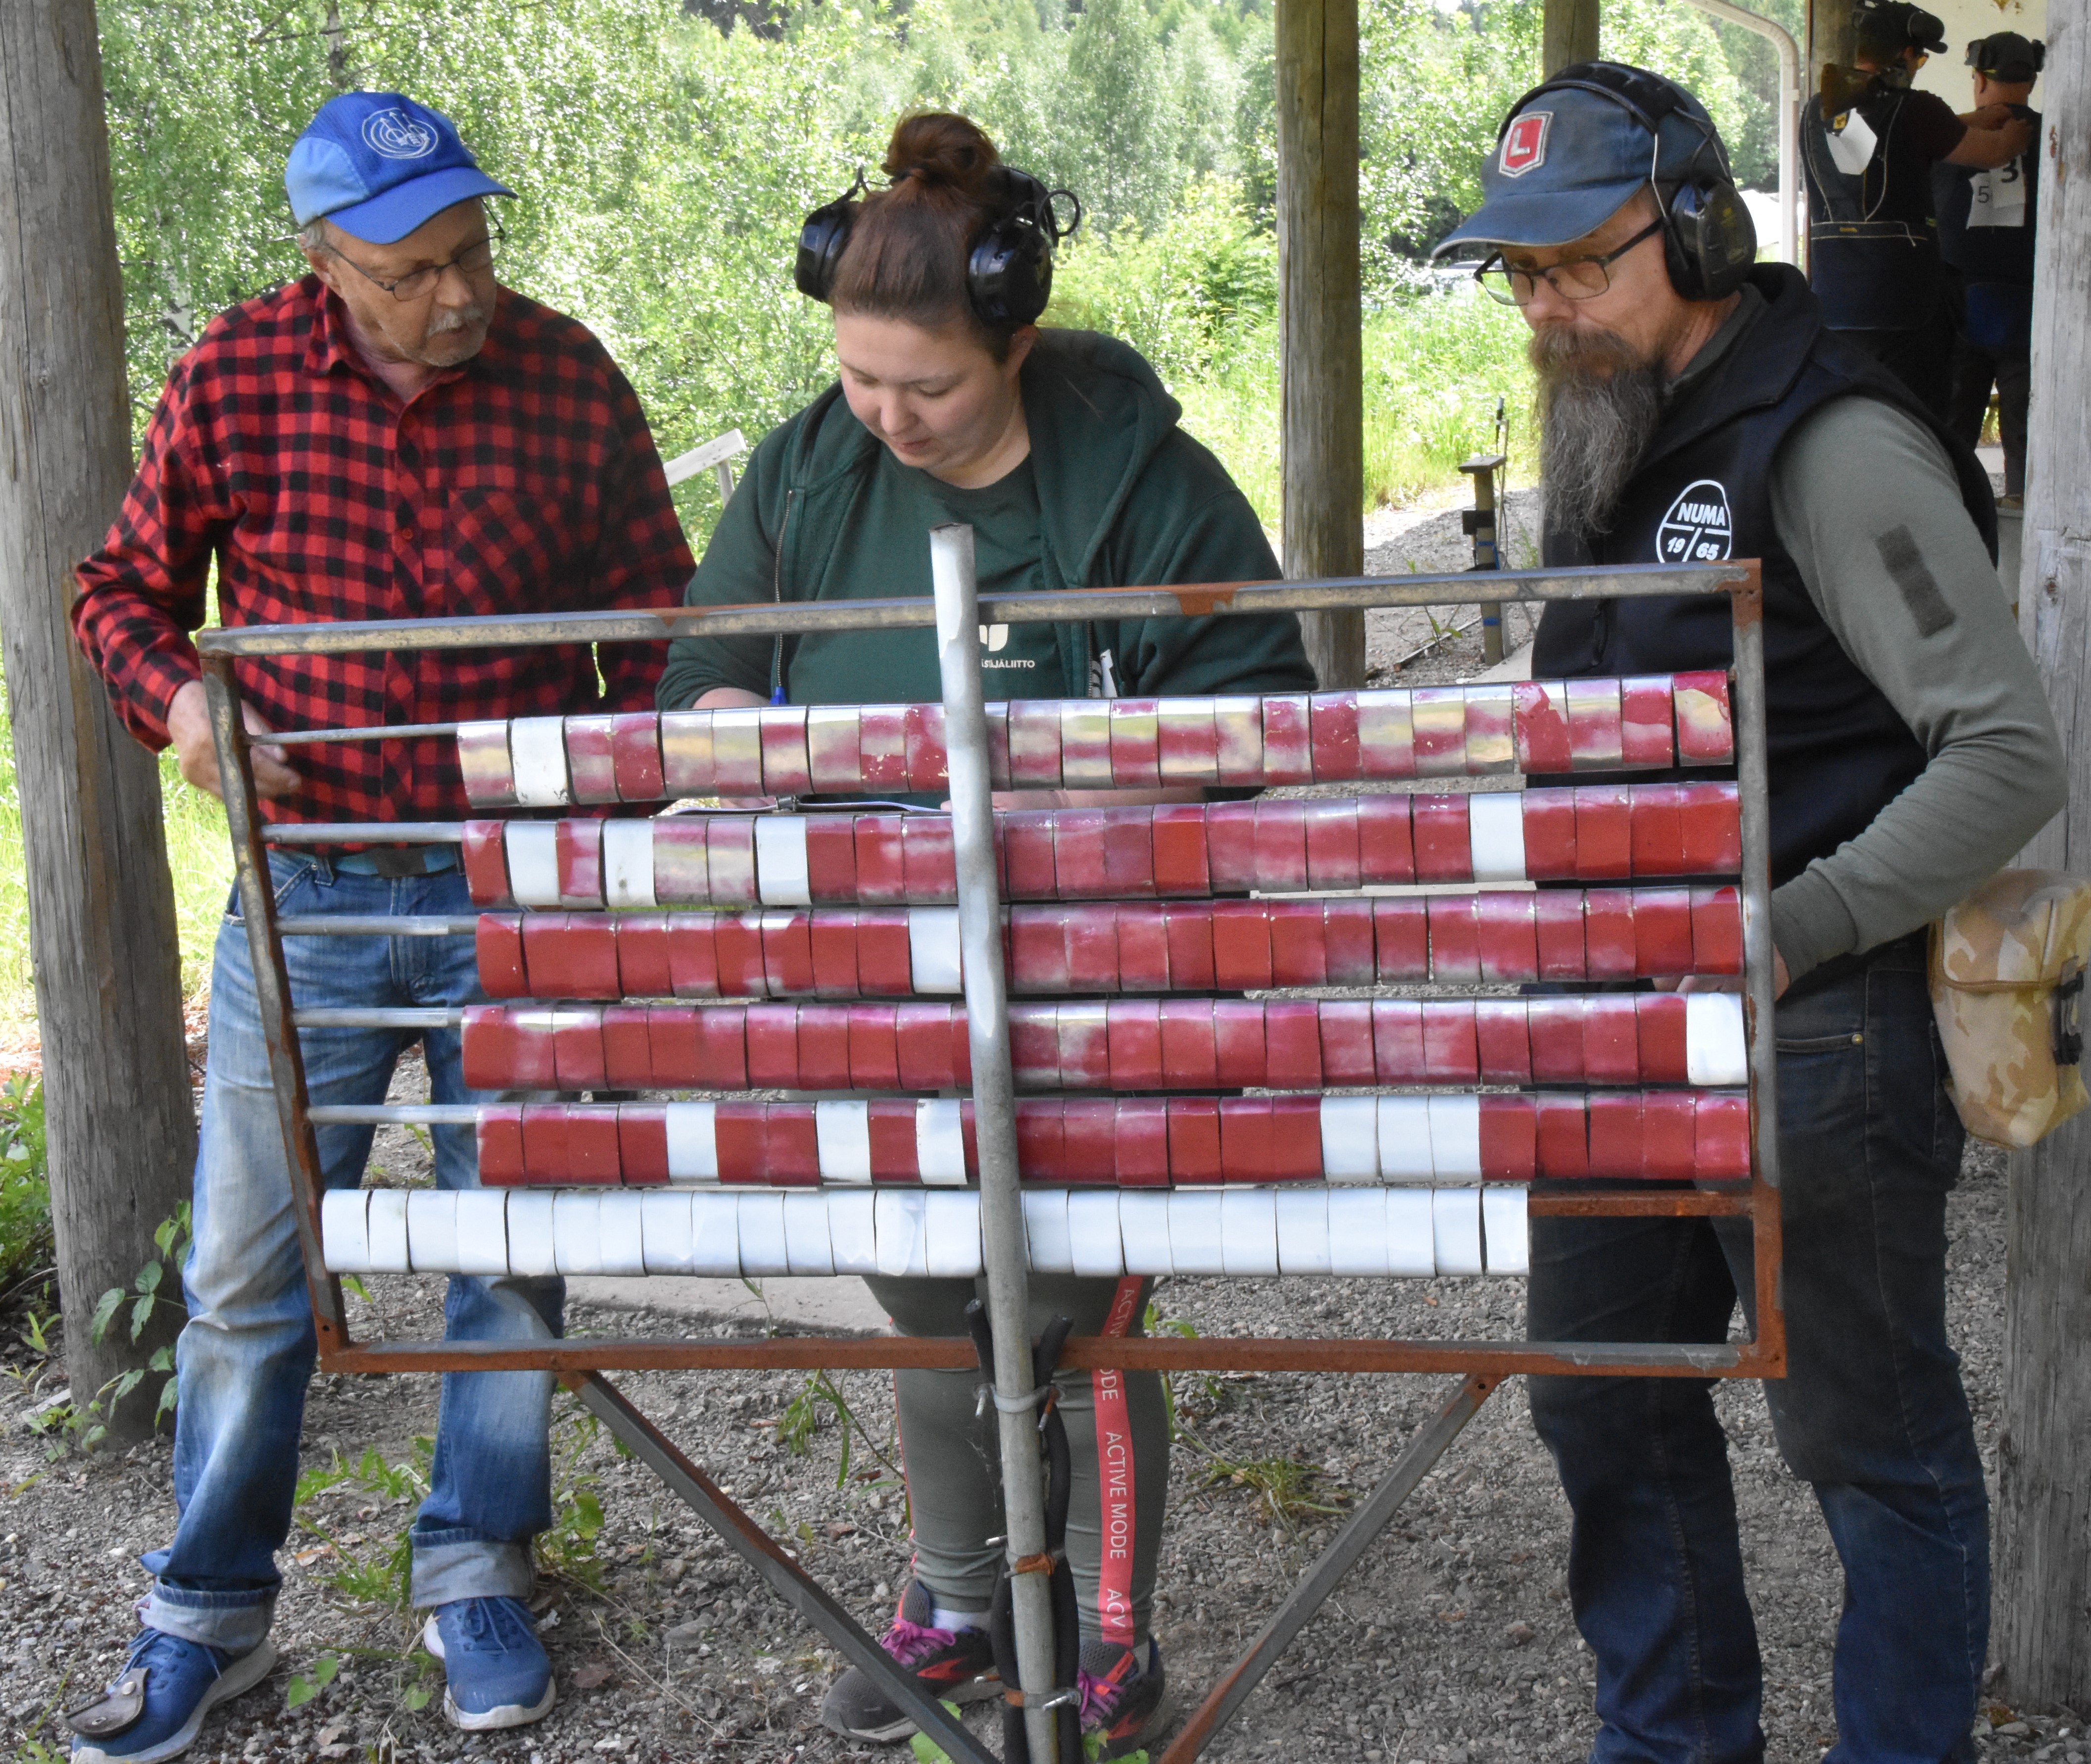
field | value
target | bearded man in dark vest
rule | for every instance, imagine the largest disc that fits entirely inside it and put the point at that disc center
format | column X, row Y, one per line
column 1694, row 407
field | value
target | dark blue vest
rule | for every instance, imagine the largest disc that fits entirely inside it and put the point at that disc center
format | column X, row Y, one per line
column 1839, row 752
column 1872, row 245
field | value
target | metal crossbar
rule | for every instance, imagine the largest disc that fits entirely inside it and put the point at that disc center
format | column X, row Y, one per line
column 955, row 613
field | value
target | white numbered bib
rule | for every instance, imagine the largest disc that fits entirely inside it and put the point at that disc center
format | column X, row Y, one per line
column 1998, row 198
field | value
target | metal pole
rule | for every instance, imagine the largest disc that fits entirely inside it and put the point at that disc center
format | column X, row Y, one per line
column 995, row 1115
column 272, row 993
column 1753, row 777
column 1337, row 1560
column 1481, row 523
column 1789, row 115
column 762, row 1553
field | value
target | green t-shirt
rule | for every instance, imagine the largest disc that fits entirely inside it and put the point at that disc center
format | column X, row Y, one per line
column 1009, row 558
column 1113, row 495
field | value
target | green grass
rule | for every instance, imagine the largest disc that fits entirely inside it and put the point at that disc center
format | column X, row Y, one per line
column 199, row 854
column 1434, row 369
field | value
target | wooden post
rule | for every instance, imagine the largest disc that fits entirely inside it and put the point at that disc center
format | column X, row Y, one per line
column 1568, row 34
column 101, row 909
column 1831, row 40
column 1322, row 428
column 2042, row 1607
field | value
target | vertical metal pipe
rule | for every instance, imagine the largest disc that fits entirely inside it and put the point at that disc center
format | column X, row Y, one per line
column 1753, row 779
column 1480, row 524
column 272, row 991
column 994, row 1114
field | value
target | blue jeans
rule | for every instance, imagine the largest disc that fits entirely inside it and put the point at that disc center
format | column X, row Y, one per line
column 247, row 1351
column 1871, row 1411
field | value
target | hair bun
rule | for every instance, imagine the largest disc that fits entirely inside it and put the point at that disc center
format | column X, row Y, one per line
column 936, row 148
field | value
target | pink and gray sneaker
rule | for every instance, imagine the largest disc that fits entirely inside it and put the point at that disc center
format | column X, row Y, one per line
column 954, row 1665
column 1125, row 1701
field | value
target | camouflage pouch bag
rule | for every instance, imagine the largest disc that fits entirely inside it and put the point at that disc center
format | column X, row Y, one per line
column 2006, row 979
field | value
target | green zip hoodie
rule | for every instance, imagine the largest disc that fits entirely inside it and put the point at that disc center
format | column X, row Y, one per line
column 1114, row 495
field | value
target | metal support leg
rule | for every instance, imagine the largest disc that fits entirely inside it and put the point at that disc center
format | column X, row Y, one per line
column 762, row 1552
column 994, row 1117
column 1312, row 1591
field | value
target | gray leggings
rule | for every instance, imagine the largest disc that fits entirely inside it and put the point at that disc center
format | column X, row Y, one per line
column 954, row 1481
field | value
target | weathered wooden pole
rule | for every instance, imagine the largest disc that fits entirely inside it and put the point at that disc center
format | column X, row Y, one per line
column 101, row 908
column 2042, row 1608
column 1322, row 426
column 1831, row 40
column 1568, row 34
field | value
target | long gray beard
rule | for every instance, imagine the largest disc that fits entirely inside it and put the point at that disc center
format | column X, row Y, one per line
column 1598, row 408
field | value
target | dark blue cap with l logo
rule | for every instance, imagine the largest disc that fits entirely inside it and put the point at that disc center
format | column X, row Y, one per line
column 378, row 165
column 1573, row 154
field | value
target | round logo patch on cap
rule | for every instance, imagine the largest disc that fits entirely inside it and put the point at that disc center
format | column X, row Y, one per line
column 1698, row 528
column 1524, row 143
column 394, row 135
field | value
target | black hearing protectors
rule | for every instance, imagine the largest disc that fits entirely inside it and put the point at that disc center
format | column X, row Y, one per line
column 1009, row 270
column 2034, row 61
column 1708, row 239
column 1920, row 29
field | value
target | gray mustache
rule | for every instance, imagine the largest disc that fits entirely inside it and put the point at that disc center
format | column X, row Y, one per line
column 465, row 318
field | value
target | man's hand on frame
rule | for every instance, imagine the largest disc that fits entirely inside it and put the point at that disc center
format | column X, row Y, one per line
column 189, row 729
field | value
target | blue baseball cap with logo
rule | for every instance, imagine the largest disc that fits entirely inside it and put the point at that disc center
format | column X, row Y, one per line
column 377, row 164
column 1572, row 156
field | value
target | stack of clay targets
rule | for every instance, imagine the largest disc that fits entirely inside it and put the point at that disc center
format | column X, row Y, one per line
column 1166, row 1122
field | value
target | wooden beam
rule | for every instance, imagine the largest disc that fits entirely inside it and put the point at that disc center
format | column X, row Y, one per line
column 1831, row 41
column 2042, row 1604
column 1568, row 34
column 1323, row 427
column 101, row 910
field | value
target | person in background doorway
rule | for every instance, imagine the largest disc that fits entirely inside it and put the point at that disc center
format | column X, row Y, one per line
column 396, row 435
column 1062, row 451
column 1987, row 220
column 1867, row 146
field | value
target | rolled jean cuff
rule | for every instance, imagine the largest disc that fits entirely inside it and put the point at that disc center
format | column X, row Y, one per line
column 450, row 1565
column 236, row 1622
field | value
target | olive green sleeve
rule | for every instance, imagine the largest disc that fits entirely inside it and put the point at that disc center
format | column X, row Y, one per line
column 738, row 568
column 1187, row 522
column 1867, row 502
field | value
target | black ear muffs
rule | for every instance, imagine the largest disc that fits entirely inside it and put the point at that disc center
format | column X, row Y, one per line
column 1009, row 271
column 823, row 237
column 1709, row 240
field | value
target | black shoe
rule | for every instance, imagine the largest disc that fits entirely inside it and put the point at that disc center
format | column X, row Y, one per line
column 1125, row 1705
column 955, row 1665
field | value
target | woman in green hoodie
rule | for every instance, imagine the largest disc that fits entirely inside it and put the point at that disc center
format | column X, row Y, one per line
column 1061, row 450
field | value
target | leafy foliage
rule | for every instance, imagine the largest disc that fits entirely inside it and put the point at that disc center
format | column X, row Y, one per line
column 662, row 164
column 25, row 1189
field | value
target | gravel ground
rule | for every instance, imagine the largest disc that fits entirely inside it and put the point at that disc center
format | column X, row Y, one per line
column 1450, row 1644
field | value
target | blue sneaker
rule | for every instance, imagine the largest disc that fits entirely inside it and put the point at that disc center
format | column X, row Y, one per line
column 158, row 1702
column 498, row 1675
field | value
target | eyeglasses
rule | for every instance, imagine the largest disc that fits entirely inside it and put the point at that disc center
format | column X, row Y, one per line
column 475, row 259
column 1582, row 278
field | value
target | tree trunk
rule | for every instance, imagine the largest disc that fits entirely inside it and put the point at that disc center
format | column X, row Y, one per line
column 1323, row 424
column 1568, row 34
column 2043, row 1601
column 102, row 913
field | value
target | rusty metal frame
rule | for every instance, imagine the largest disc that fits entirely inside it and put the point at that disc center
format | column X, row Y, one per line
column 1483, row 1364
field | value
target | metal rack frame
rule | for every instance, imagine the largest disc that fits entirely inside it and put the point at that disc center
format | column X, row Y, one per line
column 954, row 613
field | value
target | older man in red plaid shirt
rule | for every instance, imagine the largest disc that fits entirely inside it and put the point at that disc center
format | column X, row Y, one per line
column 396, row 436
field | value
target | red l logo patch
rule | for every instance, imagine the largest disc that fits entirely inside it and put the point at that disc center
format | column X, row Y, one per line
column 1524, row 143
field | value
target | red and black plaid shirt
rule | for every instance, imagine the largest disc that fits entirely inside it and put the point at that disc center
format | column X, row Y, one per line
column 525, row 481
